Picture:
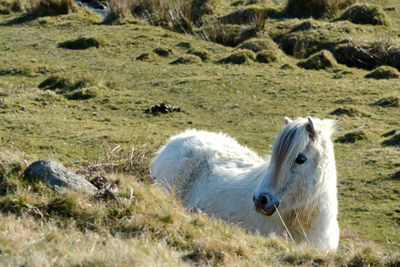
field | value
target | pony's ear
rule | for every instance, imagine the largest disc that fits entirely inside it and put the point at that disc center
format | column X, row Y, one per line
column 287, row 120
column 312, row 131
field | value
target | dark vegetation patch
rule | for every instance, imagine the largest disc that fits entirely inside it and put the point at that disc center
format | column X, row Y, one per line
column 395, row 176
column 365, row 14
column 185, row 45
column 352, row 137
column 204, row 54
column 266, row 56
column 82, row 94
column 241, row 56
column 163, row 52
column 346, row 111
column 369, row 55
column 312, row 39
column 288, row 66
column 28, row 72
column 84, row 42
column 315, row 8
column 187, row 59
column 321, row 60
column 390, row 101
column 147, row 57
column 81, row 89
column 162, row 108
column 247, row 15
column 390, row 133
column 393, row 141
column 383, row 72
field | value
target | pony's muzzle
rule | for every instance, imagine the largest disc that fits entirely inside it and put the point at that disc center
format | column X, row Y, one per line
column 265, row 204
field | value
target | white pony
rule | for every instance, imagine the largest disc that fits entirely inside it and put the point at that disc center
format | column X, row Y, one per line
column 292, row 192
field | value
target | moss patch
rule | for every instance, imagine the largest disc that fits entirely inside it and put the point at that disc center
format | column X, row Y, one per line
column 383, row 72
column 242, row 56
column 84, row 42
column 365, row 14
column 321, row 60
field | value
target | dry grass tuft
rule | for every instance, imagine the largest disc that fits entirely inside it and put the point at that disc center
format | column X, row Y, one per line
column 12, row 6
column 52, row 8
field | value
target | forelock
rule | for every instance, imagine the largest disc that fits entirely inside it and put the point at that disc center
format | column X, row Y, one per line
column 291, row 140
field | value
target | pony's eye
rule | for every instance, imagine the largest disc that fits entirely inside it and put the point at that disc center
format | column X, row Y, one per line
column 301, row 158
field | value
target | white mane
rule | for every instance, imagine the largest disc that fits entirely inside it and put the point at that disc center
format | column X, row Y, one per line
column 212, row 172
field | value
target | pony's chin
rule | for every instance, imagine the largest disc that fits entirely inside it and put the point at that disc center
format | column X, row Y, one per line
column 266, row 212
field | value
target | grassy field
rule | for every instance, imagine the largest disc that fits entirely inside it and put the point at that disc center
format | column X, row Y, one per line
column 75, row 90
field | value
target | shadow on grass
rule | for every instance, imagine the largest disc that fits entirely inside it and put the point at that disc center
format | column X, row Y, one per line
column 395, row 176
column 19, row 20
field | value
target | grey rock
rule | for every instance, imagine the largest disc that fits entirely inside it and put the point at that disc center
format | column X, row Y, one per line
column 58, row 177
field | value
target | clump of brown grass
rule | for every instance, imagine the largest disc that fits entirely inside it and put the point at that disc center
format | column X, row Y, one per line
column 316, row 8
column 52, row 8
column 120, row 11
column 11, row 6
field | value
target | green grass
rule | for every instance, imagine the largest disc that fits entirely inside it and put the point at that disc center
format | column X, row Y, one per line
column 110, row 129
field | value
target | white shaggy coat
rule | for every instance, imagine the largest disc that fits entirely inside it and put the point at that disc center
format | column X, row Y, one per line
column 215, row 174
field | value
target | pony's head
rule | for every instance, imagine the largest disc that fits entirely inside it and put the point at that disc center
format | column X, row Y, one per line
column 302, row 157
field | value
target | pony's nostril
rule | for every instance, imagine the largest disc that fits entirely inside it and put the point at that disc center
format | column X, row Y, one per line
column 263, row 201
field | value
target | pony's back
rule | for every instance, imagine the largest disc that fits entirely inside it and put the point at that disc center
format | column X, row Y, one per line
column 194, row 154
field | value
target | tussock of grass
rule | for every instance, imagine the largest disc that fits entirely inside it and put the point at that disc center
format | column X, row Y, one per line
column 393, row 141
column 187, row 59
column 147, row 57
column 204, row 54
column 249, row 14
column 266, row 56
column 365, row 14
column 226, row 34
column 119, row 13
column 353, row 137
column 258, row 44
column 241, row 56
column 321, row 60
column 316, row 8
column 383, row 72
column 52, row 8
column 390, row 101
column 11, row 6
column 84, row 42
column 163, row 52
column 81, row 89
column 347, row 111
column 83, row 94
